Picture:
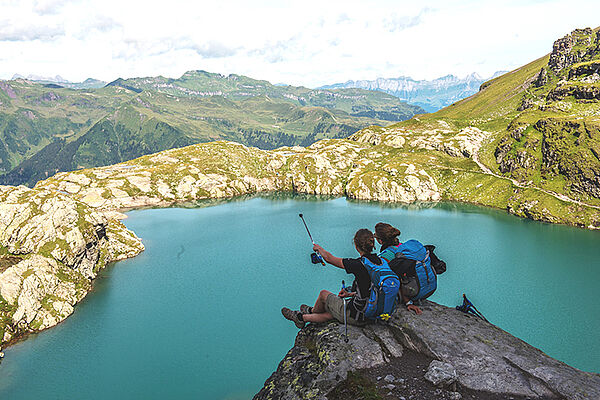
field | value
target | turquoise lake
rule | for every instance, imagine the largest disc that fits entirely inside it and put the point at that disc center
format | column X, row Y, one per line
column 197, row 314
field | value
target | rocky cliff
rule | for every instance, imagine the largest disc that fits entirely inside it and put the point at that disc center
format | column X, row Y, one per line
column 51, row 248
column 553, row 141
column 441, row 354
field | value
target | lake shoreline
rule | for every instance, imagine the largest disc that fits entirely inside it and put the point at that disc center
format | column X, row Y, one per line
column 211, row 202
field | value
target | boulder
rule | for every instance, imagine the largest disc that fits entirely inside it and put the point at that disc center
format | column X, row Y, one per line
column 441, row 373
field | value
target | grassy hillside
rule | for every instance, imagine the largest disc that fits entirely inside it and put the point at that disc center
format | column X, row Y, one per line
column 540, row 122
column 32, row 116
column 48, row 128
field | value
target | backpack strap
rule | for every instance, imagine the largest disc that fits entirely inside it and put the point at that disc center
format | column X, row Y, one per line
column 424, row 262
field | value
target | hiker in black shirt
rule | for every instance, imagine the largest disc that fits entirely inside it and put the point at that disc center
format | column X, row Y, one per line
column 331, row 306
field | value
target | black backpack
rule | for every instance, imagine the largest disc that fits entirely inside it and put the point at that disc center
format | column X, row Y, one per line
column 403, row 266
column 438, row 265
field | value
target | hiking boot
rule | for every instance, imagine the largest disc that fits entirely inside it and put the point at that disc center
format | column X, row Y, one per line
column 293, row 316
column 304, row 309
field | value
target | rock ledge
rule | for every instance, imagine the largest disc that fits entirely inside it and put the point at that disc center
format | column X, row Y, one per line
column 487, row 360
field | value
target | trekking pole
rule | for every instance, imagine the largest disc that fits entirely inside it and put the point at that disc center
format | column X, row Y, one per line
column 345, row 317
column 469, row 307
column 478, row 313
column 311, row 239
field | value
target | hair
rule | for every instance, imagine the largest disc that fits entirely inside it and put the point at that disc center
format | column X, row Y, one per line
column 364, row 241
column 388, row 234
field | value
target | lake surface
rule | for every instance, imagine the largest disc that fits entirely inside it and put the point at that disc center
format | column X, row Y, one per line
column 197, row 314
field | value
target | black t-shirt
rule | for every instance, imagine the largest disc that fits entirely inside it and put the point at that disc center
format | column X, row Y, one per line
column 362, row 282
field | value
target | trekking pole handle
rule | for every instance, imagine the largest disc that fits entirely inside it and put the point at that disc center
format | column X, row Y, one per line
column 320, row 257
column 344, row 288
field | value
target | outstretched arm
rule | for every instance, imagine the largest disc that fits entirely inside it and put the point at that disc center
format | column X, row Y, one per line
column 328, row 257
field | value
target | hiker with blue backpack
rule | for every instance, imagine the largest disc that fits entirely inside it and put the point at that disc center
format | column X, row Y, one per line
column 411, row 261
column 373, row 295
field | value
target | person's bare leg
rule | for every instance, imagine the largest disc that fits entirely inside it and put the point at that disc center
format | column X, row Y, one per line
column 319, row 306
column 321, row 317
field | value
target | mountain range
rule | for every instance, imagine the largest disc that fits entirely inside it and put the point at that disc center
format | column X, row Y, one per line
column 46, row 127
column 59, row 81
column 432, row 95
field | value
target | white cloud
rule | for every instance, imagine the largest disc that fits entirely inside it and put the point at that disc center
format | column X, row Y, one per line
column 308, row 43
column 11, row 33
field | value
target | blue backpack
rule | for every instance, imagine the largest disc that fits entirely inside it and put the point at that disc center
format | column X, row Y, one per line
column 383, row 293
column 426, row 276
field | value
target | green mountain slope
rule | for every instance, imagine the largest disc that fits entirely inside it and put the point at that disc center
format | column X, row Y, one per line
column 47, row 128
column 540, row 124
column 32, row 116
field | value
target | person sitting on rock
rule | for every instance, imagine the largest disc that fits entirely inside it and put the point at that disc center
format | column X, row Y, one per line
column 331, row 306
column 387, row 237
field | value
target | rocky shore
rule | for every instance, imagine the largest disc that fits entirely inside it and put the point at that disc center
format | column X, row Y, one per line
column 381, row 164
column 51, row 248
column 441, row 354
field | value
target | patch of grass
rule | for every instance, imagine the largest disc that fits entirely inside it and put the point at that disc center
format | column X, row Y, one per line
column 7, row 260
column 28, row 273
column 356, row 386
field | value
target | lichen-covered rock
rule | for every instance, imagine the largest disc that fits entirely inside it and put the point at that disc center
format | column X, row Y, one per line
column 319, row 359
column 484, row 357
column 327, row 167
column 58, row 244
column 441, row 373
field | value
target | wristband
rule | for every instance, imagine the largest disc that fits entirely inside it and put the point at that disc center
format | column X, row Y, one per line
column 408, row 303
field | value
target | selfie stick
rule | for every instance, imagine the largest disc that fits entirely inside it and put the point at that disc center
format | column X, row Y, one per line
column 311, row 239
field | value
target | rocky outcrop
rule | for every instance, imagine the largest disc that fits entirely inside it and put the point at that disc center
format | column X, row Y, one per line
column 568, row 148
column 542, row 78
column 579, row 71
column 579, row 91
column 328, row 167
column 439, row 136
column 56, row 245
column 484, row 358
column 580, row 45
column 516, row 152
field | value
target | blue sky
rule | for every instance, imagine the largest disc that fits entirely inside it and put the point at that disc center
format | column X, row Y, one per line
column 306, row 43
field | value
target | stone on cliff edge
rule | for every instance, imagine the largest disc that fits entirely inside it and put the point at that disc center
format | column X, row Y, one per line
column 441, row 374
column 32, row 282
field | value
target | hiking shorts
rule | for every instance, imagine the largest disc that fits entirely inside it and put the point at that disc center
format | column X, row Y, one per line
column 335, row 306
column 409, row 286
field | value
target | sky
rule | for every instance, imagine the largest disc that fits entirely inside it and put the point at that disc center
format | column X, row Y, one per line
column 309, row 43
